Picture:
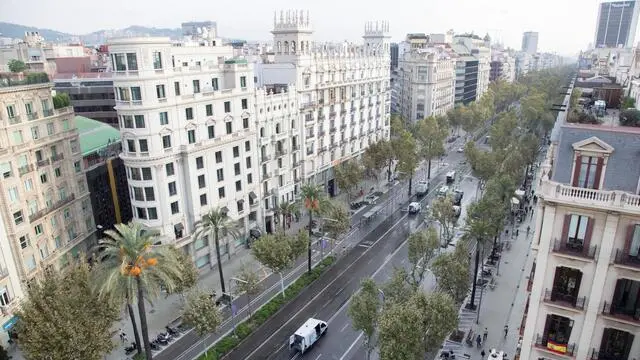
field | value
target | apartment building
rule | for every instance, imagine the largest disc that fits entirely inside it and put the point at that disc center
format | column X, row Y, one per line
column 343, row 92
column 503, row 67
column 44, row 199
column 473, row 67
column 426, row 82
column 187, row 121
column 530, row 42
column 91, row 95
column 585, row 284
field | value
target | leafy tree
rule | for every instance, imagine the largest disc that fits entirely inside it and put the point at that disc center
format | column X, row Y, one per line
column 627, row 103
column 430, row 138
column 630, row 117
column 374, row 159
column 483, row 164
column 468, row 114
column 287, row 210
column 397, row 289
column 201, row 313
column 16, row 66
column 131, row 262
column 575, row 96
column 61, row 100
column 405, row 149
column 504, row 131
column 212, row 225
column 397, row 125
column 4, row 355
column 337, row 220
column 315, row 201
column 248, row 282
column 188, row 272
column 442, row 210
column 60, row 310
column 452, row 272
column 348, row 175
column 535, row 110
column 439, row 317
column 279, row 252
column 364, row 312
column 422, row 248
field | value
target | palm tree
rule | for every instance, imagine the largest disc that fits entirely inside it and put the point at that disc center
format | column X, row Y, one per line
column 314, row 201
column 287, row 210
column 135, row 268
column 213, row 223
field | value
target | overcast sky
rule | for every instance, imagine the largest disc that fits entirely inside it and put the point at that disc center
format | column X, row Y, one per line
column 565, row 26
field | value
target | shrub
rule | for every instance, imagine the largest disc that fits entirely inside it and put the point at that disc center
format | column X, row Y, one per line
column 630, row 117
column 244, row 329
column 61, row 100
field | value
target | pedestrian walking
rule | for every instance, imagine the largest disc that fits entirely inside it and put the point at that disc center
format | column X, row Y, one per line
column 506, row 331
column 482, row 353
column 479, row 340
column 485, row 335
column 528, row 229
column 517, row 232
column 123, row 336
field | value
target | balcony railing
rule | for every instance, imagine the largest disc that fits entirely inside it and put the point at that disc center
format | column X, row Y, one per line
column 574, row 249
column 354, row 137
column 266, row 176
column 32, row 116
column 332, row 129
column 624, row 258
column 281, row 152
column 47, row 112
column 308, row 118
column 25, row 169
column 43, row 163
column 265, row 158
column 343, row 126
column 57, row 157
column 321, row 132
column 343, row 111
column 603, row 355
column 58, row 204
column 622, row 313
column 322, row 149
column 597, row 199
column 15, row 120
column 542, row 342
column 308, row 105
column 555, row 297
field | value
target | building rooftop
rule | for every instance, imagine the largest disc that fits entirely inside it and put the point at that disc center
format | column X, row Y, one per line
column 95, row 135
column 87, row 75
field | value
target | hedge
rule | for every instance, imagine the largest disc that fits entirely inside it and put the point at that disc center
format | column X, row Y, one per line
column 244, row 329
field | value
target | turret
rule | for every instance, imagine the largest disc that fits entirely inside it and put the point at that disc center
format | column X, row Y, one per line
column 376, row 38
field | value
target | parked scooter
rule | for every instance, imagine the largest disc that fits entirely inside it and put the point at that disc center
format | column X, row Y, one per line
column 128, row 350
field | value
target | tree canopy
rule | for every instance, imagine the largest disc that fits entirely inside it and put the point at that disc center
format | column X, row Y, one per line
column 279, row 251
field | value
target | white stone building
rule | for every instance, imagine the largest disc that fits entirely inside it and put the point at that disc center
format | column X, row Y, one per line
column 343, row 93
column 426, row 82
column 46, row 218
column 189, row 136
column 585, row 283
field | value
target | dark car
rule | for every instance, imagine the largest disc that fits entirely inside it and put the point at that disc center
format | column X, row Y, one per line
column 457, row 197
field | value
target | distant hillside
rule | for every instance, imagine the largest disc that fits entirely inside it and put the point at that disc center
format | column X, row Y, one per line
column 95, row 38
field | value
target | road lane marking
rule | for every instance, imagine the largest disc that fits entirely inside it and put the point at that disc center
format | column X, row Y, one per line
column 326, row 287
column 344, row 327
column 318, row 357
column 364, row 245
column 351, row 347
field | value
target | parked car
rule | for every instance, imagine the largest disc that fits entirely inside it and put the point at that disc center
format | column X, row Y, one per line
column 414, row 208
column 422, row 188
column 457, row 197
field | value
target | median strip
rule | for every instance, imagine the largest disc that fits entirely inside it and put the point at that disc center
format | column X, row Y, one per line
column 266, row 311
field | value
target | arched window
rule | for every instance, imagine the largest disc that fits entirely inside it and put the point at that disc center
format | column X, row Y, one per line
column 279, row 48
column 293, row 47
column 286, row 47
column 302, row 47
column 262, row 132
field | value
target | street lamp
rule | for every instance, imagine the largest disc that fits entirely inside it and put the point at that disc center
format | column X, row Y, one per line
column 240, row 281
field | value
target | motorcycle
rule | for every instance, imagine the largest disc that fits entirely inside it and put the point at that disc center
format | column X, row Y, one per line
column 130, row 349
column 172, row 331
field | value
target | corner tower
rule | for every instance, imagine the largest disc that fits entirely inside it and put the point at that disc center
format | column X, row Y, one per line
column 292, row 35
column 376, row 38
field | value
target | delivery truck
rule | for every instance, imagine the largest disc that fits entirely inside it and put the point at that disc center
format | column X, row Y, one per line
column 307, row 335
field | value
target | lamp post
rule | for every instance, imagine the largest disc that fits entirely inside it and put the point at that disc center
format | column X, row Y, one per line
column 236, row 280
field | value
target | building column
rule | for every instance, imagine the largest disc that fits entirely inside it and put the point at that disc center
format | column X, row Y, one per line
column 546, row 236
column 595, row 295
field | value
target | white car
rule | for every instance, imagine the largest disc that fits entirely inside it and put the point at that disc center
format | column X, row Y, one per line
column 460, row 150
column 414, row 208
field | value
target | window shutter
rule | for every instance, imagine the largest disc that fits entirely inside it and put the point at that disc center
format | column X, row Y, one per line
column 587, row 236
column 629, row 238
column 599, row 165
column 565, row 229
column 576, row 170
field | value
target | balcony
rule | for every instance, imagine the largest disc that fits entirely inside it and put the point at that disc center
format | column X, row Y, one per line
column 625, row 259
column 564, row 300
column 332, row 129
column 296, row 163
column 332, row 115
column 601, row 200
column 308, row 118
column 343, row 111
column 354, row 138
column 47, row 112
column 308, row 105
column 25, row 169
column 321, row 117
column 295, row 147
column 281, row 152
column 625, row 314
column 265, row 158
column 361, row 106
column 322, row 149
column 320, row 101
column 574, row 249
column 353, row 122
column 266, row 176
column 58, row 204
column 57, row 157
column 43, row 163
column 32, row 116
column 541, row 342
column 15, row 120
column 362, row 120
column 321, row 133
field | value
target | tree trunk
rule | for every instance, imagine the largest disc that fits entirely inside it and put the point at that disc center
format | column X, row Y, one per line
column 143, row 320
column 218, row 257
column 472, row 304
column 134, row 325
column 282, row 284
column 410, row 184
column 309, row 244
column 429, row 171
column 284, row 223
column 389, row 172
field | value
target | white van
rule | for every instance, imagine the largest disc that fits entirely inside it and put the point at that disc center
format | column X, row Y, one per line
column 451, row 177
column 307, row 335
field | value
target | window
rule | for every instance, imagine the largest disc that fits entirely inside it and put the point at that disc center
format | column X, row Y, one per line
column 588, row 170
column 28, row 185
column 247, row 146
column 245, row 123
column 201, row 242
column 227, row 106
column 172, row 188
column 577, row 229
column 139, row 119
column 199, row 162
column 248, row 162
column 160, row 93
column 240, row 205
column 136, row 94
column 119, row 62
column 201, row 182
column 24, row 241
column 212, row 132
column 229, row 127
column 135, row 174
column 51, row 129
column 43, row 178
column 152, row 213
column 137, row 194
column 148, row 194
column 174, row 207
column 164, row 118
column 57, row 172
column 214, row 84
column 238, row 185
column 17, row 217
column 249, row 178
column 245, row 104
column 65, row 125
column 146, row 173
column 38, row 229
column 236, row 151
column 220, row 174
column 157, row 60
column 203, row 199
column 196, row 86
column 141, row 213
column 188, row 113
column 176, row 87
column 191, row 136
column 221, row 192
column 17, row 137
column 132, row 62
column 127, row 121
column 35, row 134
column 131, row 145
column 166, row 141
column 169, row 169
column 144, row 145
column 236, row 168
column 14, row 196
column 77, row 167
column 243, row 81
column 218, row 157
